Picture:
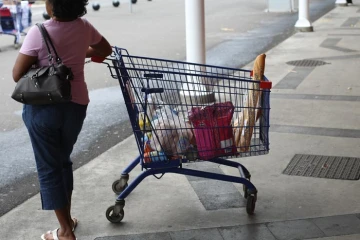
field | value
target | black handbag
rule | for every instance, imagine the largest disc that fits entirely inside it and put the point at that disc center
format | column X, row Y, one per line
column 45, row 85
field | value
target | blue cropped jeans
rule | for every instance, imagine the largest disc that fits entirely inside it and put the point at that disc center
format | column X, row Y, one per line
column 53, row 131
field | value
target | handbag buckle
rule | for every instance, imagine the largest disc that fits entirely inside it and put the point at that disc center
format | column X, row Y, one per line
column 36, row 74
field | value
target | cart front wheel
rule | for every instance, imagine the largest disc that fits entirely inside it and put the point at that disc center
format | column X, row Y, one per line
column 250, row 204
column 114, row 218
column 118, row 186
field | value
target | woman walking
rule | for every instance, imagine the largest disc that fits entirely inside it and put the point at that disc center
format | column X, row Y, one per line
column 54, row 128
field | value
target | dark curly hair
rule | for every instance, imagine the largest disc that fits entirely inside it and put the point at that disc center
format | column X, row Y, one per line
column 68, row 9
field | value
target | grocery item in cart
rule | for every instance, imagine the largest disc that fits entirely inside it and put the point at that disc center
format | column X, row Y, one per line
column 155, row 156
column 172, row 137
column 171, row 134
column 244, row 125
column 157, row 109
column 213, row 131
column 145, row 126
column 147, row 146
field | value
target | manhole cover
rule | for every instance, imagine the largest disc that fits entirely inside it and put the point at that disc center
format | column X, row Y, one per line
column 307, row 63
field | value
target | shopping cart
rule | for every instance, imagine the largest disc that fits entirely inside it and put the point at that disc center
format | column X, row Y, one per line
column 14, row 19
column 184, row 112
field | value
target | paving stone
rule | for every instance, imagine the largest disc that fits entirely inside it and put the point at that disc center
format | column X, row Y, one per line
column 318, row 131
column 215, row 194
column 212, row 170
column 200, row 165
column 222, row 201
column 295, row 230
column 213, row 187
column 198, row 234
column 339, row 225
column 145, row 236
column 351, row 22
column 293, row 79
column 247, row 232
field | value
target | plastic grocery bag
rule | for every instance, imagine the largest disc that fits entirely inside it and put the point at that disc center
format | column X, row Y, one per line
column 171, row 135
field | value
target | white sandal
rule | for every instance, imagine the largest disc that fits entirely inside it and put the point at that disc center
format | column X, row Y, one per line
column 54, row 233
column 75, row 222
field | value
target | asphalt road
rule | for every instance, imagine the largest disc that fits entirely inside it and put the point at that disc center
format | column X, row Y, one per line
column 236, row 32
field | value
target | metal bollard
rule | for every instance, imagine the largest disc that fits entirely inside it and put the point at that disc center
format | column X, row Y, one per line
column 304, row 24
column 341, row 3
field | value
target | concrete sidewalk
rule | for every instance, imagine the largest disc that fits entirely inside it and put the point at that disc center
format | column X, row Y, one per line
column 315, row 110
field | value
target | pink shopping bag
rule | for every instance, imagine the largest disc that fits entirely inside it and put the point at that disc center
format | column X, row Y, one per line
column 213, row 131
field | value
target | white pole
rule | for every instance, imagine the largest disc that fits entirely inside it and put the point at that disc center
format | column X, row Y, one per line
column 195, row 31
column 341, row 3
column 130, row 6
column 194, row 89
column 304, row 24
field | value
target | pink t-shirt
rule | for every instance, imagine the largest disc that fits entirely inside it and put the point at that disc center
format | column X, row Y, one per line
column 71, row 41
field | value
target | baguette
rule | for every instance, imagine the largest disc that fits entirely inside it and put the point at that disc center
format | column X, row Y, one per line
column 244, row 125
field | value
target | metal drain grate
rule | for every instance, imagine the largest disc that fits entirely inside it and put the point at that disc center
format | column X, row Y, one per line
column 333, row 167
column 307, row 63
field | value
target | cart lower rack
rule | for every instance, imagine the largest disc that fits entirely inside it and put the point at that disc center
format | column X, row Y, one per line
column 183, row 112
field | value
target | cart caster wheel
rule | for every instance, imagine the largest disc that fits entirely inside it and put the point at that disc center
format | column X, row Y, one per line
column 112, row 218
column 250, row 204
column 118, row 186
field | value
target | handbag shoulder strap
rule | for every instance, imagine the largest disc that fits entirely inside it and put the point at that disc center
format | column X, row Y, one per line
column 47, row 40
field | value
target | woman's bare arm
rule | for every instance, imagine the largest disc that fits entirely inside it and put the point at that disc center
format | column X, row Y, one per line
column 101, row 49
column 22, row 65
